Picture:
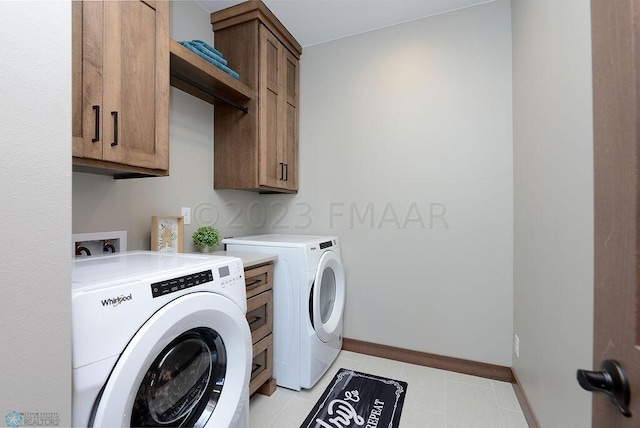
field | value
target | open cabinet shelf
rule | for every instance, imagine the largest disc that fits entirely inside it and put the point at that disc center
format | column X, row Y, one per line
column 203, row 80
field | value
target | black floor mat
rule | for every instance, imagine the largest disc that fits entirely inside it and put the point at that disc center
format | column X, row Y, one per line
column 355, row 399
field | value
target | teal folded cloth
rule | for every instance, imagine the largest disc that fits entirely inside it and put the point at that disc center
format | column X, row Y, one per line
column 201, row 52
column 206, row 49
column 210, row 50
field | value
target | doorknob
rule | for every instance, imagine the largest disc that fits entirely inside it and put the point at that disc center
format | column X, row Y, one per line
column 612, row 381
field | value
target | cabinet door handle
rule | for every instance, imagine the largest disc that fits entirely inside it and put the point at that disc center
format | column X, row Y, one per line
column 115, row 128
column 254, row 320
column 96, row 133
column 286, row 172
column 253, row 283
column 281, row 171
column 255, row 368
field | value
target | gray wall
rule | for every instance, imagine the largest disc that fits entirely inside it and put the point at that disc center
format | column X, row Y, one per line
column 35, row 190
column 406, row 154
column 553, row 215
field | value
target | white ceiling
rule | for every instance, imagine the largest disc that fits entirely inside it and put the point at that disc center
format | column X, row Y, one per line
column 317, row 21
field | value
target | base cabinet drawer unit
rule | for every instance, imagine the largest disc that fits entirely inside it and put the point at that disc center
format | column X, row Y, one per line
column 262, row 367
column 259, row 283
column 260, row 315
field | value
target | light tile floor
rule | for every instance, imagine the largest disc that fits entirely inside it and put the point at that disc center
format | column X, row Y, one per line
column 435, row 398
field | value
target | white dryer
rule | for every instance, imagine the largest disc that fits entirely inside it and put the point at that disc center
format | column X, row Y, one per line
column 308, row 303
column 160, row 340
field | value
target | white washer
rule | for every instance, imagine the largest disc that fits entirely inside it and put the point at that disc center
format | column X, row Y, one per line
column 160, row 340
column 308, row 303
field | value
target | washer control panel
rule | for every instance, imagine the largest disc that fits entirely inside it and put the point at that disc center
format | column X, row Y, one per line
column 169, row 286
column 223, row 276
column 327, row 244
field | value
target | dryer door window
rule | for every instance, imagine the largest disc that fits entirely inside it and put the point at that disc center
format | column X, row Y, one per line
column 183, row 384
column 326, row 301
column 327, row 295
column 188, row 365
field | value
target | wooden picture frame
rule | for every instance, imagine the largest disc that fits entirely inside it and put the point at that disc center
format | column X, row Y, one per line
column 167, row 234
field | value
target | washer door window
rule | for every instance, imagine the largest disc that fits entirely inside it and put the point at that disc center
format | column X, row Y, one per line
column 189, row 365
column 326, row 301
column 183, row 384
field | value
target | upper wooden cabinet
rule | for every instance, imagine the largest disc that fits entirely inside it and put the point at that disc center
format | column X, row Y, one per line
column 121, row 87
column 258, row 150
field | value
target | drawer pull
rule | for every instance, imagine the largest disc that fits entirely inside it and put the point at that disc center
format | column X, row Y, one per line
column 254, row 283
column 254, row 320
column 255, row 368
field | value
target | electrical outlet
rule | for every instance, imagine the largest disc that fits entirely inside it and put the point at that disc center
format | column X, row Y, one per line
column 186, row 214
column 516, row 346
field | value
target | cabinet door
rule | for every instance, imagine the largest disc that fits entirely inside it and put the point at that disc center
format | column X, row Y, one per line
column 136, row 83
column 270, row 150
column 76, row 67
column 290, row 101
column 278, row 114
column 88, row 23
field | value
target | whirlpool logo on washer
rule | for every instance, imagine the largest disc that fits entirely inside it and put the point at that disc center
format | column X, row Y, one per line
column 116, row 301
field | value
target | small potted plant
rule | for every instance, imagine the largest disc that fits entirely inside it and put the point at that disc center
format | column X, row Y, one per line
column 205, row 238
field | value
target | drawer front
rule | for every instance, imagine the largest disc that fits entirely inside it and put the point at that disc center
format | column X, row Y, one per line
column 258, row 279
column 260, row 315
column 262, row 365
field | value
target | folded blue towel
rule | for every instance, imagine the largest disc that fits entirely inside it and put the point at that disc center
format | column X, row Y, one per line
column 203, row 54
column 208, row 53
column 211, row 50
column 205, row 48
